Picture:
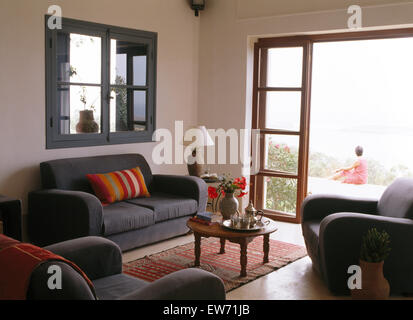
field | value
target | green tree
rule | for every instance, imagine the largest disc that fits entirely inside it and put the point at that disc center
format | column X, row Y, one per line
column 281, row 193
column 121, row 105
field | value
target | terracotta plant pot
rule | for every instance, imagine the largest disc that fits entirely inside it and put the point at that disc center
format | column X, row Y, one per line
column 374, row 284
column 229, row 206
column 87, row 123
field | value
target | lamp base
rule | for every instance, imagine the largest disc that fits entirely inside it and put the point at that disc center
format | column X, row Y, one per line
column 195, row 169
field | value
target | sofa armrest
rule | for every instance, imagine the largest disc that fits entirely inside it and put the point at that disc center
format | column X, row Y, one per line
column 317, row 207
column 188, row 284
column 186, row 186
column 96, row 256
column 11, row 215
column 341, row 236
column 59, row 215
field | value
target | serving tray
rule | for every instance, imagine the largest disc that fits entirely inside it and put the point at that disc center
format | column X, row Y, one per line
column 259, row 225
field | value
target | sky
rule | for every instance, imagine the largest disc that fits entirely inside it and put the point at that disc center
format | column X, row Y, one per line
column 362, row 94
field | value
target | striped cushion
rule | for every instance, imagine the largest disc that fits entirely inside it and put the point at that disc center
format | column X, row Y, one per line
column 119, row 185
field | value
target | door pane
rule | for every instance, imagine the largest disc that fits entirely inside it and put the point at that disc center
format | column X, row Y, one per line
column 280, row 194
column 79, row 58
column 118, row 74
column 285, row 67
column 283, row 110
column 128, row 63
column 139, row 70
column 79, row 104
column 119, row 110
column 127, row 110
column 281, row 153
column 139, row 110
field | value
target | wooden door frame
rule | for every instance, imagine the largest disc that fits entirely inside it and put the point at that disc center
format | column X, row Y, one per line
column 307, row 42
column 259, row 116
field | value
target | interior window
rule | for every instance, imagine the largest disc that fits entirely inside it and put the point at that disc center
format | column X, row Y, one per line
column 100, row 85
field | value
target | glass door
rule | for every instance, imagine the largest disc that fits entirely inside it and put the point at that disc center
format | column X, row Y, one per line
column 281, row 115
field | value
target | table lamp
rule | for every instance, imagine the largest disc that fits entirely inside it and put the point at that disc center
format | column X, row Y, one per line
column 204, row 140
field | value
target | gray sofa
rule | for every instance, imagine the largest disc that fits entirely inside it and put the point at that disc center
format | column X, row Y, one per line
column 333, row 228
column 66, row 207
column 101, row 260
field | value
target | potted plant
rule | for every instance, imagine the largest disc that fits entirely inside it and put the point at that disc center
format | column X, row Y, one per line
column 87, row 123
column 228, row 188
column 374, row 250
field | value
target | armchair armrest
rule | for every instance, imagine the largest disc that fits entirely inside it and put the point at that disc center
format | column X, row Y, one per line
column 340, row 243
column 74, row 286
column 97, row 257
column 186, row 186
column 188, row 284
column 59, row 215
column 10, row 214
column 317, row 207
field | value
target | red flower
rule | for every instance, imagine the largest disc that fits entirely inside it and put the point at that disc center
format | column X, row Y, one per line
column 212, row 193
column 242, row 194
column 286, row 148
column 241, row 183
column 277, row 146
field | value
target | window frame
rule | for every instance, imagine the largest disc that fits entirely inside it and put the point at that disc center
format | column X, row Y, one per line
column 56, row 140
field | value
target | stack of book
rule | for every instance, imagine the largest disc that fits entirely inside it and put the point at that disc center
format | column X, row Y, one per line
column 203, row 217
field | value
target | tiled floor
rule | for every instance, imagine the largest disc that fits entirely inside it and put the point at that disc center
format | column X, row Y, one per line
column 296, row 281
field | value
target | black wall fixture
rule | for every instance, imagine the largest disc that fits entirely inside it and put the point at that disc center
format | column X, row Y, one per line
column 197, row 5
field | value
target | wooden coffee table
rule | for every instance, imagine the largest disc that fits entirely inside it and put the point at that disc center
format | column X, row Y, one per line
column 243, row 238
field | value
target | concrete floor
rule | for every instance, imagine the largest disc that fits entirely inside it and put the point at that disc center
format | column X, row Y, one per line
column 296, row 281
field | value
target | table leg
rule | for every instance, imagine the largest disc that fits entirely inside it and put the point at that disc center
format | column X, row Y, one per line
column 222, row 250
column 244, row 260
column 197, row 249
column 266, row 247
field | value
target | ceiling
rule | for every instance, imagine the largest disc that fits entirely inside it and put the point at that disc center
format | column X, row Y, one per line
column 266, row 8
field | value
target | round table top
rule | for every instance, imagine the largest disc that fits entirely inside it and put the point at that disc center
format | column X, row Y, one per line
column 219, row 231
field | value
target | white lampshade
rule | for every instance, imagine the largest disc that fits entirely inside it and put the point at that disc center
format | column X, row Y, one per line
column 203, row 137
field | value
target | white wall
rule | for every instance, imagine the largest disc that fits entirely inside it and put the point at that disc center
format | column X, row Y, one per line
column 22, row 79
column 228, row 31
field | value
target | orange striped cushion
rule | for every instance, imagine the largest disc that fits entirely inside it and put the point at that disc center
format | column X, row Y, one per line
column 119, row 185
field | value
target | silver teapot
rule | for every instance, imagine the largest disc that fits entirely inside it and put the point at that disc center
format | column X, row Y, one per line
column 253, row 214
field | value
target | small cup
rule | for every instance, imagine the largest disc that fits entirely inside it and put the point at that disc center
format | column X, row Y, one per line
column 235, row 221
column 245, row 222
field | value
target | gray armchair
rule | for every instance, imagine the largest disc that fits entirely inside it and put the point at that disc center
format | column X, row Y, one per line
column 101, row 260
column 333, row 228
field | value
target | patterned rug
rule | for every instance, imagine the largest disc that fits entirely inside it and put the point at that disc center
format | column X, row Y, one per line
column 226, row 266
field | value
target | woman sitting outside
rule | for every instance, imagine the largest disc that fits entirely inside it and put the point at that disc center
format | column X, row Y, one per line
column 357, row 173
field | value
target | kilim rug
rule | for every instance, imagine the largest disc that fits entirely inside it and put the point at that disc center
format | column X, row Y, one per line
column 226, row 266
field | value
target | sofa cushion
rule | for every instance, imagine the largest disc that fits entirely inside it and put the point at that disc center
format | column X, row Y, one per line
column 122, row 216
column 116, row 286
column 70, row 174
column 118, row 185
column 167, row 206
